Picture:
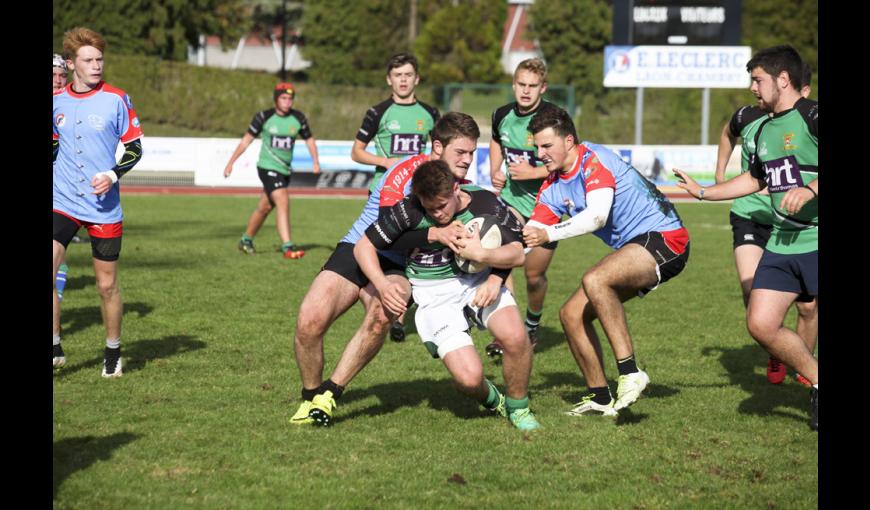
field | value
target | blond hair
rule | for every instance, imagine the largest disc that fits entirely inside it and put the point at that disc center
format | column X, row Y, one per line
column 533, row 65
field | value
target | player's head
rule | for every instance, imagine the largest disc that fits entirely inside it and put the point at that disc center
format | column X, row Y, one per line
column 402, row 75
column 530, row 83
column 555, row 137
column 436, row 188
column 283, row 94
column 454, row 140
column 806, row 80
column 58, row 72
column 84, row 51
column 773, row 72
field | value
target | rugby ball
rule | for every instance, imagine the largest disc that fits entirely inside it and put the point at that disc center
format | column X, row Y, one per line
column 490, row 237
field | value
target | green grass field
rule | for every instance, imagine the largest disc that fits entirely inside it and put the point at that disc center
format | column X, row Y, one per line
column 200, row 417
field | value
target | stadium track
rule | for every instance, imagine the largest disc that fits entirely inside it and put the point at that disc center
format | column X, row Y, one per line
column 673, row 193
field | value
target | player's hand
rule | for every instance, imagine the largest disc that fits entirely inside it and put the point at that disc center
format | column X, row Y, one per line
column 315, row 168
column 101, row 184
column 522, row 170
column 687, row 183
column 469, row 246
column 498, row 180
column 391, row 161
column 447, row 235
column 228, row 170
column 393, row 298
column 487, row 293
column 534, row 236
column 795, row 199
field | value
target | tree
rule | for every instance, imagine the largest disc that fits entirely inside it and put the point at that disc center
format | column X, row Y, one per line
column 163, row 28
column 460, row 42
column 350, row 41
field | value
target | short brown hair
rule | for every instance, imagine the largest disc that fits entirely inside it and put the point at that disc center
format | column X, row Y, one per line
column 400, row 59
column 433, row 179
column 455, row 125
column 534, row 65
column 74, row 39
column 555, row 118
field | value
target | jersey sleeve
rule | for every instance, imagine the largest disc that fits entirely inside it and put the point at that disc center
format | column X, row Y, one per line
column 497, row 116
column 256, row 126
column 304, row 128
column 128, row 121
column 393, row 222
column 742, row 118
column 369, row 127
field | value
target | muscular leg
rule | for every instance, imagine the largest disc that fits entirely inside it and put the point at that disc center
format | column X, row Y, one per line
column 808, row 322
column 467, row 371
column 507, row 327
column 258, row 216
column 764, row 318
column 59, row 253
column 111, row 306
column 612, row 281
column 369, row 337
column 329, row 296
column 282, row 213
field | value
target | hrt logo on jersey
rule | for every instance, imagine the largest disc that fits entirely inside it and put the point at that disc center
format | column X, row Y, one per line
column 406, row 144
column 783, row 174
column 282, row 142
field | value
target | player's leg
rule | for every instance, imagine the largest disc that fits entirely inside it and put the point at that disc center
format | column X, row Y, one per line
column 808, row 328
column 112, row 308
column 746, row 259
column 577, row 316
column 764, row 318
column 255, row 222
column 60, row 278
column 494, row 349
column 64, row 228
column 537, row 262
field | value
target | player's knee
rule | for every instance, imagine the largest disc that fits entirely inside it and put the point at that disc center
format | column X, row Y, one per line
column 762, row 327
column 536, row 280
column 516, row 342
column 311, row 324
column 469, row 379
column 107, row 287
column 592, row 282
column 807, row 310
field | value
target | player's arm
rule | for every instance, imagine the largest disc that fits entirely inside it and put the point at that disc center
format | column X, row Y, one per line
column 795, row 199
column 312, row 149
column 505, row 256
column 55, row 147
column 243, row 145
column 523, row 170
column 736, row 187
column 496, row 160
column 359, row 154
column 598, row 205
column 104, row 180
column 727, row 141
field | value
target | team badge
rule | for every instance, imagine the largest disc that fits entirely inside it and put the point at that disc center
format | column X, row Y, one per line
column 60, row 120
column 393, row 125
column 530, row 139
column 96, row 122
column 786, row 140
column 420, row 125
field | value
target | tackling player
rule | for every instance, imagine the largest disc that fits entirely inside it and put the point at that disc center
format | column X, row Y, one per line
column 650, row 244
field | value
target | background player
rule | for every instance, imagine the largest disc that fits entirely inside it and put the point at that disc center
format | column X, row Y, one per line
column 89, row 118
column 513, row 148
column 279, row 127
column 399, row 127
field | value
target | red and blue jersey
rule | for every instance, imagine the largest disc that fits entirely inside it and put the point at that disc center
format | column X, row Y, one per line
column 88, row 128
column 638, row 206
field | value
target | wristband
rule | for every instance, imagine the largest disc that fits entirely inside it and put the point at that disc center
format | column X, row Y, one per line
column 815, row 195
column 701, row 193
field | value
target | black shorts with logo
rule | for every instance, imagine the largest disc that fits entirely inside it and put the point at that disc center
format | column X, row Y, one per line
column 668, row 262
column 343, row 263
column 272, row 180
column 747, row 231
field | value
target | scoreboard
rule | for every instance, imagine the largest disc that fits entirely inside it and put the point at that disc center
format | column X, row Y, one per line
column 676, row 22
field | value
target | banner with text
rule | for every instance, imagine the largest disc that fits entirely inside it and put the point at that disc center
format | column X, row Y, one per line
column 677, row 66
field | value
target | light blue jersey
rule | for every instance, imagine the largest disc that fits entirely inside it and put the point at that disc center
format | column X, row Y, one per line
column 638, row 206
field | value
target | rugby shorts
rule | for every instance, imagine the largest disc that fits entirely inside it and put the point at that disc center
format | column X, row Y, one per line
column 343, row 263
column 272, row 180
column 105, row 237
column 746, row 231
column 797, row 273
column 440, row 320
column 670, row 249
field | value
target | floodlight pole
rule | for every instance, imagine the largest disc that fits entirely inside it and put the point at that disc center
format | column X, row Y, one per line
column 705, row 116
column 283, row 40
column 638, row 117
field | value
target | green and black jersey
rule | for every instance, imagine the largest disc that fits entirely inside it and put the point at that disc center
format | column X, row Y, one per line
column 434, row 261
column 744, row 123
column 510, row 129
column 786, row 156
column 398, row 130
column 279, row 135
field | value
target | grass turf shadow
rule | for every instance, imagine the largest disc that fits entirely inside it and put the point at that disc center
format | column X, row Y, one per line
column 77, row 319
column 139, row 353
column 78, row 453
